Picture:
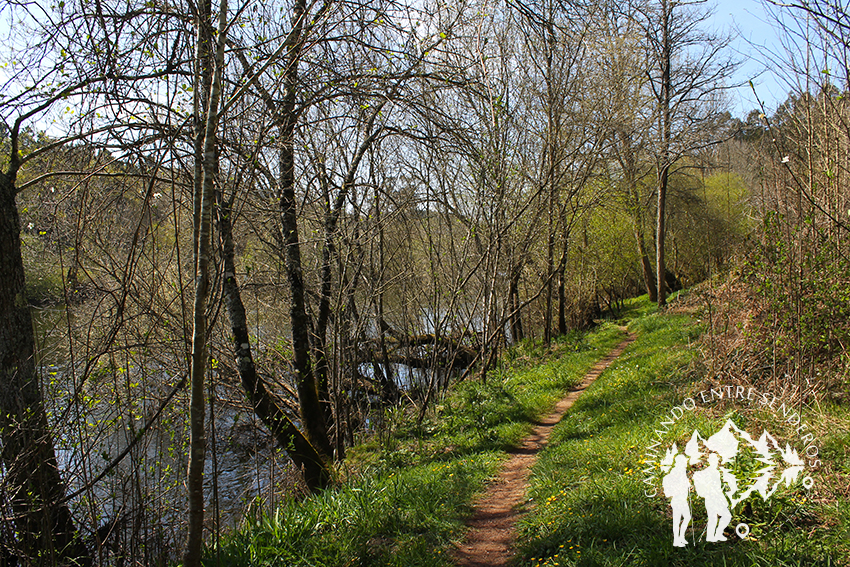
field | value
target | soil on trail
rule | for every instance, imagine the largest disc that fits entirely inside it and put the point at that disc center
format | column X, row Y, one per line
column 492, row 526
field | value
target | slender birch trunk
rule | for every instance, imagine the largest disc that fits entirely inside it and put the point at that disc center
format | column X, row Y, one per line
column 203, row 229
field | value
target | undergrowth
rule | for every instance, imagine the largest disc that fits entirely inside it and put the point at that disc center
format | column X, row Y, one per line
column 403, row 496
column 592, row 499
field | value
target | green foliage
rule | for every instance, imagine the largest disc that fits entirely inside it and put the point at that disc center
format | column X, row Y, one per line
column 707, row 223
column 410, row 492
column 801, row 278
column 725, row 194
column 606, row 251
column 589, row 501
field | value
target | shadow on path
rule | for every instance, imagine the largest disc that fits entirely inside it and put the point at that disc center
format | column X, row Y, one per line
column 493, row 523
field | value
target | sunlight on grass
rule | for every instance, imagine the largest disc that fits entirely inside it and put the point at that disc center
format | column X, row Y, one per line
column 405, row 517
column 405, row 494
column 588, row 504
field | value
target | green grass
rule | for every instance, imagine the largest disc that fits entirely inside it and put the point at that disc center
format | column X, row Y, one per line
column 407, row 517
column 405, row 494
column 498, row 413
column 589, row 505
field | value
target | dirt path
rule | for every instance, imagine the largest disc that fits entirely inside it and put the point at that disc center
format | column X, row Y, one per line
column 493, row 524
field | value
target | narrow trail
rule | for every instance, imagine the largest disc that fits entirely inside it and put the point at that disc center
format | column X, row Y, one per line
column 493, row 524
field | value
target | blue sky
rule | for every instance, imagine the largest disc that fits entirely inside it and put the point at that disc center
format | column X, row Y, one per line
column 756, row 39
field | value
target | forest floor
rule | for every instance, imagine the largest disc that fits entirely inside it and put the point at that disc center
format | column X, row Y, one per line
column 489, row 542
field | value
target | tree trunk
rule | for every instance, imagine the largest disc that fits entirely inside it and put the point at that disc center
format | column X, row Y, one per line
column 660, row 228
column 551, row 167
column 517, row 333
column 303, row 454
column 664, row 165
column 320, row 336
column 550, row 250
column 645, row 263
column 390, row 393
column 562, row 291
column 312, row 413
column 628, row 162
column 43, row 523
column 286, row 117
column 203, row 229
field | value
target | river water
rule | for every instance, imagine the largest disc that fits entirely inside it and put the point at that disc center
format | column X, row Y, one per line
column 144, row 495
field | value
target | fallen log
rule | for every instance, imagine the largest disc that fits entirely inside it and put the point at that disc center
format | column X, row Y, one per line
column 420, row 351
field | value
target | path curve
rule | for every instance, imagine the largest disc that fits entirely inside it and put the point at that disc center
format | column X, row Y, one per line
column 493, row 523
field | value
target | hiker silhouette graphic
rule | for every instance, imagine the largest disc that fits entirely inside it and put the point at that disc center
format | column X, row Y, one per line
column 709, row 486
column 676, row 487
column 715, row 462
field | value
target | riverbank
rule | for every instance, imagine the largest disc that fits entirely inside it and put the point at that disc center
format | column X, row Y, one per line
column 405, row 495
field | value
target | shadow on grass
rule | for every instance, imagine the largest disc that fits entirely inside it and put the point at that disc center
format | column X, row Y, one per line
column 588, row 503
column 615, row 529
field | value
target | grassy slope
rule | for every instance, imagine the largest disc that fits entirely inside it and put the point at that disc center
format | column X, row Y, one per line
column 406, row 493
column 589, row 506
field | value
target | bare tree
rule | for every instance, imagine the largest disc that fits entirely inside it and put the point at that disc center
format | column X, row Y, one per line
column 209, row 73
column 56, row 64
column 687, row 70
column 629, row 132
